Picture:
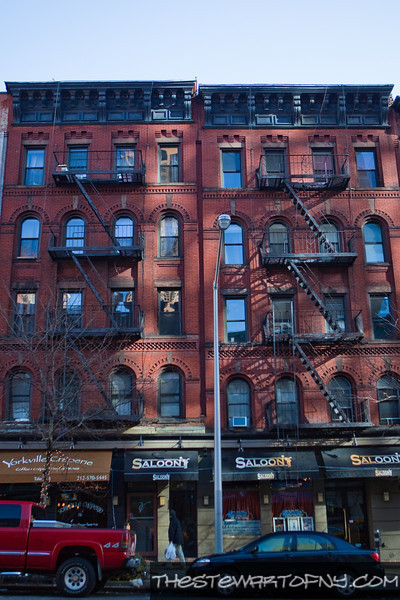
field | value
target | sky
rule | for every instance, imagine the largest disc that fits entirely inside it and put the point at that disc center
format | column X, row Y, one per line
column 213, row 41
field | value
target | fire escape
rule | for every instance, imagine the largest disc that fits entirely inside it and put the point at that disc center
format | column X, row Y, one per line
column 88, row 246
column 319, row 246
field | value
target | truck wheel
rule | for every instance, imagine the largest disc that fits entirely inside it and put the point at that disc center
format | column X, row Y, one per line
column 76, row 577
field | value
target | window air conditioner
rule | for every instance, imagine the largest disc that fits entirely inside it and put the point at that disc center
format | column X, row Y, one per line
column 239, row 421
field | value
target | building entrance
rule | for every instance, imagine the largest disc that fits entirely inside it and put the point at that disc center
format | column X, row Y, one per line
column 346, row 512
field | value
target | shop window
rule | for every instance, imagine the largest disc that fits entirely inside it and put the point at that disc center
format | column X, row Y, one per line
column 85, row 507
column 381, row 316
column 278, row 239
column 170, row 394
column 331, row 235
column 292, row 506
column 168, row 241
column 373, row 243
column 238, row 395
column 287, row 412
column 24, row 313
column 234, row 245
column 231, row 168
column 34, row 166
column 123, row 231
column 123, row 308
column 169, row 163
column 367, row 170
column 71, row 305
column 340, row 388
column 388, row 389
column 323, row 163
column 121, row 391
column 29, row 238
column 235, row 320
column 68, row 394
column 169, row 312
column 19, row 396
column 241, row 512
column 335, row 305
column 282, row 315
column 78, row 158
column 75, row 234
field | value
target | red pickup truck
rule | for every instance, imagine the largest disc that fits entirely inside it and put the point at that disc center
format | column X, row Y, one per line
column 81, row 559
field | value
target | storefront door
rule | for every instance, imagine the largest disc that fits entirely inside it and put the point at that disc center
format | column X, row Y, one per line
column 182, row 499
column 346, row 512
column 143, row 522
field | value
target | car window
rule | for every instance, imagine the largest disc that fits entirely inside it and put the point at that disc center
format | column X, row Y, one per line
column 277, row 543
column 10, row 515
column 313, row 543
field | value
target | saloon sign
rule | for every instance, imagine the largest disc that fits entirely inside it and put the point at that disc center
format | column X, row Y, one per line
column 366, row 462
column 262, row 464
column 159, row 466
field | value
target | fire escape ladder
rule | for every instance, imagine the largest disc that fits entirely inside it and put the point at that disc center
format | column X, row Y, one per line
column 305, row 285
column 340, row 415
column 96, row 212
column 92, row 287
column 309, row 219
column 88, row 368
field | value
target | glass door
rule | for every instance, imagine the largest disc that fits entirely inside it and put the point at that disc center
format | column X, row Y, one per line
column 142, row 521
column 347, row 512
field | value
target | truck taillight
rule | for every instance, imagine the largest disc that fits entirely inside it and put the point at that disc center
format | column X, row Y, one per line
column 127, row 543
column 375, row 556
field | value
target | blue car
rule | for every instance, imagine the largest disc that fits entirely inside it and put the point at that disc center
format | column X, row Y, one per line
column 290, row 560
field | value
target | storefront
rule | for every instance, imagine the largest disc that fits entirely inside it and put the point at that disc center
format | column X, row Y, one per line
column 156, row 482
column 78, row 491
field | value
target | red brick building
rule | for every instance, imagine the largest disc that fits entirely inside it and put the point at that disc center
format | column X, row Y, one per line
column 109, row 241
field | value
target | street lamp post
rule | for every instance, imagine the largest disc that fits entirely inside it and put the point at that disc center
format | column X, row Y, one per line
column 223, row 223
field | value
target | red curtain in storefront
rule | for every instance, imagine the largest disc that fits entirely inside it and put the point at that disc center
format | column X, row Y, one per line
column 292, row 499
column 241, row 502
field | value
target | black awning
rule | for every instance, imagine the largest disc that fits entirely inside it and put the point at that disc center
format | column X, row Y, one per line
column 159, row 466
column 268, row 465
column 362, row 462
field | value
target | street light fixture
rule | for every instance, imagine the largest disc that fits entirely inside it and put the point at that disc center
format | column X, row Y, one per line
column 223, row 223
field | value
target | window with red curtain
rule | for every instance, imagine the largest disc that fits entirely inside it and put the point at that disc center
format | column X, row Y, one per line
column 241, row 512
column 292, row 500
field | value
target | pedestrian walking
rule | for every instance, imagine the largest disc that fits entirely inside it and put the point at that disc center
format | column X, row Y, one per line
column 175, row 535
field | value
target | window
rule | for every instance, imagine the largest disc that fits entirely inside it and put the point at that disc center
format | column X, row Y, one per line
column 78, row 158
column 10, row 515
column 231, row 169
column 169, row 237
column 340, row 388
column 331, row 235
column 123, row 308
column 388, row 389
column 75, row 234
column 282, row 315
column 169, row 160
column 314, row 543
column 238, row 393
column 121, row 391
column 275, row 162
column 373, row 243
column 24, row 316
column 169, row 312
column 29, row 238
column 323, row 162
column 68, row 393
column 236, row 330
column 335, row 305
column 278, row 239
column 124, row 231
column 34, row 166
column 19, row 402
column 125, row 158
column 382, row 319
column 286, row 402
column 170, row 394
column 366, row 168
column 233, row 244
column 72, row 310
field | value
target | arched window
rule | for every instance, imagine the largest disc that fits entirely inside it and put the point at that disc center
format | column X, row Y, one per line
column 122, row 390
column 340, row 388
column 233, row 244
column 170, row 394
column 19, row 396
column 278, row 239
column 373, row 243
column 29, row 238
column 75, row 234
column 124, row 231
column 331, row 235
column 238, row 393
column 388, row 389
column 287, row 410
column 68, row 393
column 168, row 232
